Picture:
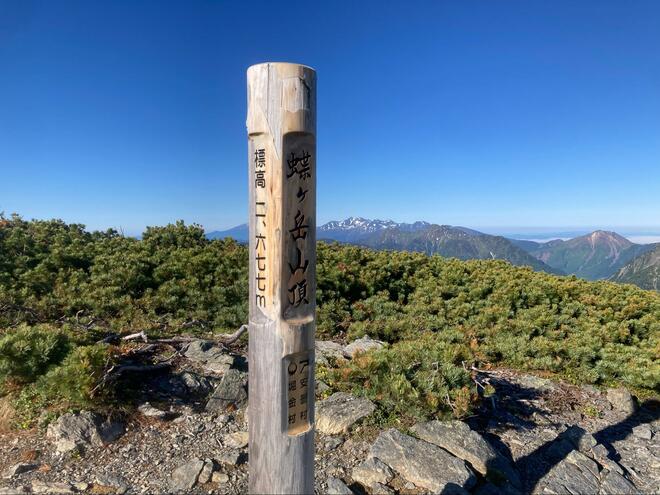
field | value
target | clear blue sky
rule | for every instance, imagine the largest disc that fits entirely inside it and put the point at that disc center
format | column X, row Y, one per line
column 476, row 113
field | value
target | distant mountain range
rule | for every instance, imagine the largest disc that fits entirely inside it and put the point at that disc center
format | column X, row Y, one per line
column 446, row 240
column 643, row 271
column 598, row 255
column 594, row 256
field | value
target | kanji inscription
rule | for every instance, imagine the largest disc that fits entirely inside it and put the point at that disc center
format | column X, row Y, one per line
column 298, row 371
column 300, row 225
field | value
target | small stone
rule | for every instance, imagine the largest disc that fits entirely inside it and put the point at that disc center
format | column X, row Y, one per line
column 536, row 383
column 219, row 478
column 362, row 345
column 231, row 392
column 340, row 411
column 643, row 431
column 112, row 480
column 77, row 431
column 621, row 400
column 20, row 468
column 185, row 476
column 236, row 440
column 81, row 486
column 601, row 455
column 371, row 471
column 210, row 355
column 195, row 384
column 380, row 489
column 424, row 464
column 51, row 488
column 615, row 484
column 150, row 411
column 338, row 487
column 331, row 443
column 206, row 472
column 583, row 440
column 232, row 458
column 321, row 387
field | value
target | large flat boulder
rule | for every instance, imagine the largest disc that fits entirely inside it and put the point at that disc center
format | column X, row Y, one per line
column 340, row 411
column 422, row 463
column 465, row 443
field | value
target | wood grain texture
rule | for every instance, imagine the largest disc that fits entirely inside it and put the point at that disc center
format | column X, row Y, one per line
column 281, row 124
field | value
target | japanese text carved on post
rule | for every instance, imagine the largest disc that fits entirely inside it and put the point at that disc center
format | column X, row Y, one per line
column 282, row 167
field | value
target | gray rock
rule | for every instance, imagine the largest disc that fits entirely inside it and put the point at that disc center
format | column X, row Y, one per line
column 331, row 443
column 231, row 392
column 575, row 474
column 615, row 484
column 209, row 355
column 340, row 411
column 580, row 438
column 150, row 411
column 328, row 352
column 536, row 383
column 77, row 431
column 185, row 476
column 371, row 471
column 380, row 489
column 601, row 455
column 237, row 440
column 119, row 483
column 321, row 386
column 20, row 468
column 195, row 384
column 338, row 487
column 621, row 400
column 424, row 464
column 232, row 458
column 364, row 344
column 643, row 431
column 466, row 444
column 51, row 487
column 206, row 473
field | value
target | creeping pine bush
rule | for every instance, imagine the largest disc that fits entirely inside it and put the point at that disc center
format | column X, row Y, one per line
column 433, row 311
column 71, row 385
column 27, row 352
column 414, row 379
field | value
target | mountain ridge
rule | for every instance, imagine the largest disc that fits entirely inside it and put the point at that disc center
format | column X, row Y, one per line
column 594, row 256
column 642, row 271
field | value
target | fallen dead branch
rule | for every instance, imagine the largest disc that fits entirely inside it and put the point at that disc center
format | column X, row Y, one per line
column 220, row 339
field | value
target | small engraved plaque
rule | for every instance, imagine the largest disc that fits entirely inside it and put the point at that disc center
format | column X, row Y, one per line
column 298, row 370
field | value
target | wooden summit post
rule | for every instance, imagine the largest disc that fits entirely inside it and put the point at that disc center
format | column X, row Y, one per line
column 281, row 125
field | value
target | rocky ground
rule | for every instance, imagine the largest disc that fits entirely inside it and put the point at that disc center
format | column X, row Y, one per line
column 190, row 435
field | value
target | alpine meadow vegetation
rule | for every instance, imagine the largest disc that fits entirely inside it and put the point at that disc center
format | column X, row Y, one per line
column 63, row 289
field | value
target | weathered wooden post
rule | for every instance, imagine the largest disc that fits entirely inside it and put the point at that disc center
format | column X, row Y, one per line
column 281, row 124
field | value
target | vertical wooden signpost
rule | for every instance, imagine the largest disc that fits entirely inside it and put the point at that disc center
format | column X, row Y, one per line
column 281, row 124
